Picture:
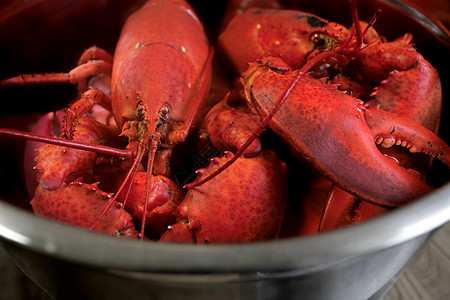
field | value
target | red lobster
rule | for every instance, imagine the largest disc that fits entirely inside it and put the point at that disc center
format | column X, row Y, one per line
column 335, row 131
column 160, row 77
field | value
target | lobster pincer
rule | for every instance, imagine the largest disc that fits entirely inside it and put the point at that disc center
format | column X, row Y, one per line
column 330, row 130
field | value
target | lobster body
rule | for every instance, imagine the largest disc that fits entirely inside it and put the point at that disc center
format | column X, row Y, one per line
column 292, row 35
column 161, row 64
column 160, row 80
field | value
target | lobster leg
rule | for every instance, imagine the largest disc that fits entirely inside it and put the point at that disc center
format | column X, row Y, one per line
column 95, row 53
column 93, row 61
column 78, row 74
column 86, row 102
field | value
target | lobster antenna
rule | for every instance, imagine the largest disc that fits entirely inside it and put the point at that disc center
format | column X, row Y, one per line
column 148, row 180
column 372, row 22
column 357, row 31
column 125, row 153
column 269, row 117
column 355, row 18
column 130, row 176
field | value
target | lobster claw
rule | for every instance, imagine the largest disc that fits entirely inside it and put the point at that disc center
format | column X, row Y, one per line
column 328, row 128
column 86, row 201
column 246, row 202
column 59, row 164
column 49, row 125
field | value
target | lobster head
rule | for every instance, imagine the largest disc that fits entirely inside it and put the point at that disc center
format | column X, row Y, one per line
column 269, row 35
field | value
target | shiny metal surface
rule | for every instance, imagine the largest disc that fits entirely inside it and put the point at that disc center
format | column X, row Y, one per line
column 433, row 26
column 308, row 253
column 353, row 263
column 356, row 277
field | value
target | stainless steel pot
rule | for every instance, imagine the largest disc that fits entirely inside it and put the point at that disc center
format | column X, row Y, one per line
column 360, row 262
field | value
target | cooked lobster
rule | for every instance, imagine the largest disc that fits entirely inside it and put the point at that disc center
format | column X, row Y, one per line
column 153, row 103
column 331, row 93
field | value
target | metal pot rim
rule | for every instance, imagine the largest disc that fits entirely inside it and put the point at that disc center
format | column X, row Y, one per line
column 80, row 246
column 68, row 243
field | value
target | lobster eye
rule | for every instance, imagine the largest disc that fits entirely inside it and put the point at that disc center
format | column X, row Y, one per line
column 322, row 41
column 317, row 40
column 164, row 114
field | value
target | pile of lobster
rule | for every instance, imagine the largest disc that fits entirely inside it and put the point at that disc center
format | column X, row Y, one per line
column 337, row 120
